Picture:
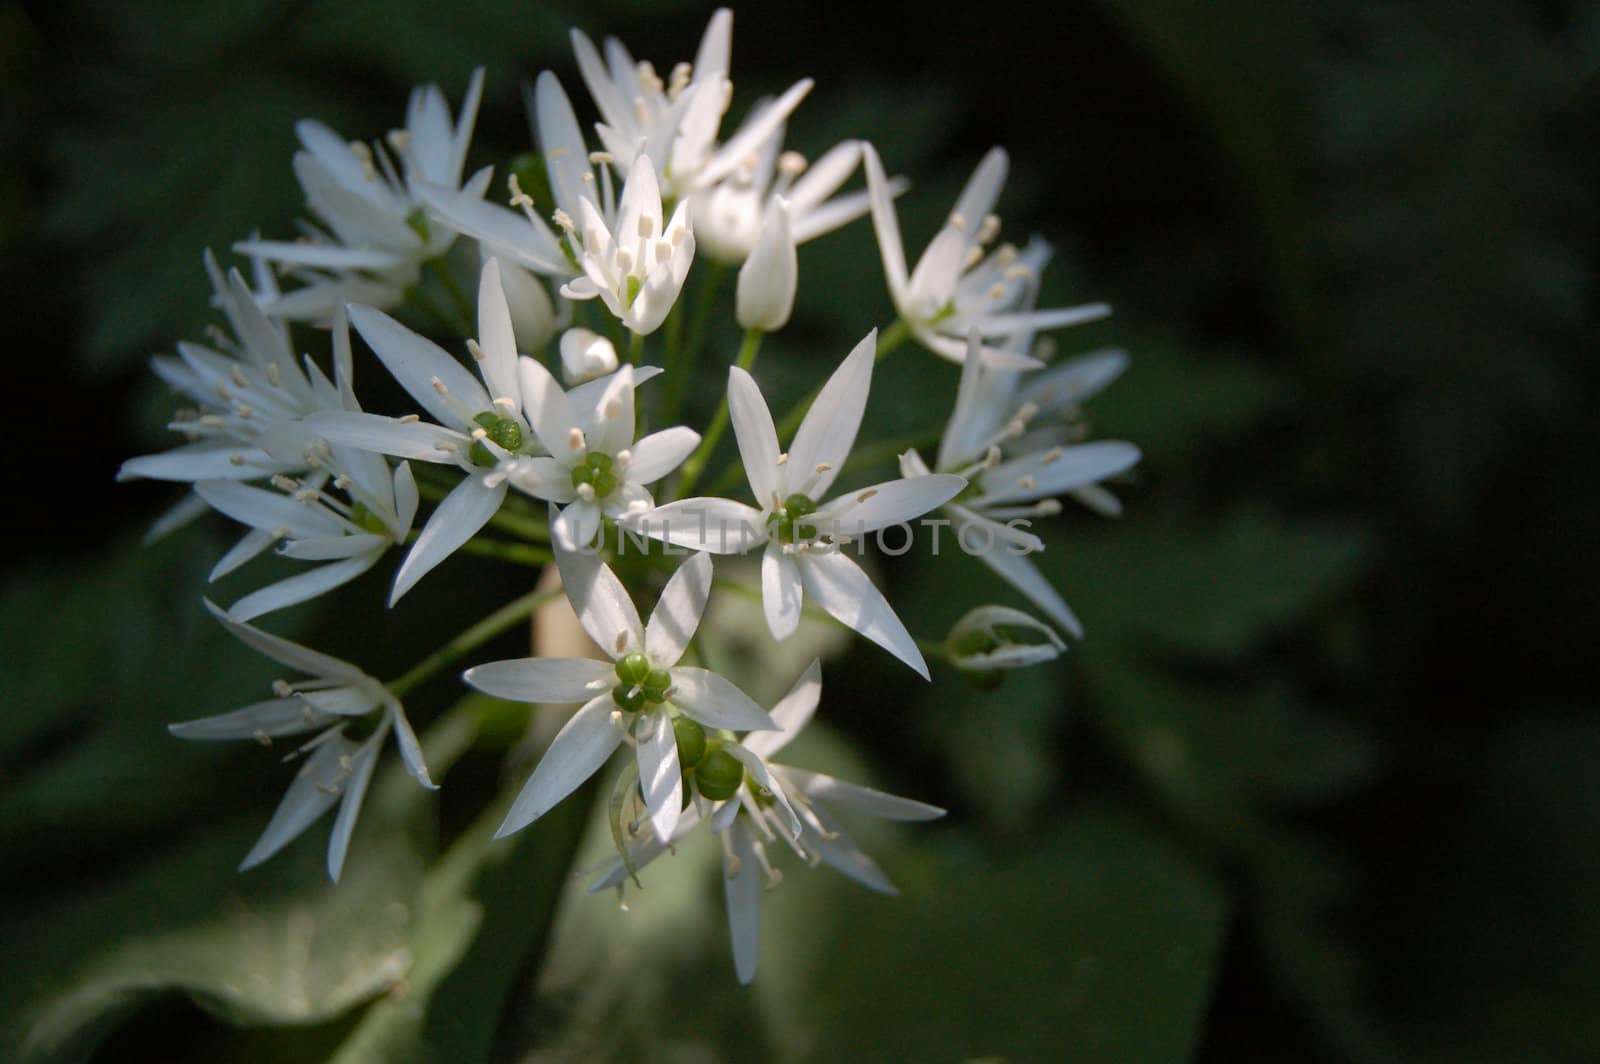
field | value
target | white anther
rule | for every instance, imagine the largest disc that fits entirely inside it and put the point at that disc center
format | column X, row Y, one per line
column 586, row 492
column 212, row 421
column 475, row 350
column 575, row 439
column 505, row 401
column 281, row 688
column 399, row 140
column 989, row 228
column 973, row 257
column 286, row 484
column 274, row 375
column 997, row 292
column 865, row 495
column 1018, row 272
column 563, row 221
column 342, row 482
column 519, row 198
column 622, row 642
column 281, row 532
column 791, row 164
column 623, row 458
column 409, row 419
column 480, row 433
column 239, row 378
column 957, row 222
column 1052, row 455
column 1027, row 483
column 1048, row 507
column 306, row 495
column 236, row 459
column 262, row 737
column 601, row 158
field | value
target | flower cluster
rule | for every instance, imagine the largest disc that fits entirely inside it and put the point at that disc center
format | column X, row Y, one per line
column 524, row 438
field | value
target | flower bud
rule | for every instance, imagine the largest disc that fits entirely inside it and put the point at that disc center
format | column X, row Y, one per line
column 998, row 637
column 768, row 278
column 585, row 355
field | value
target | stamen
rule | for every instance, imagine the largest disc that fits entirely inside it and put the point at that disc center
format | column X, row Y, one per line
column 475, row 350
column 438, row 386
column 575, row 439
column 989, row 228
column 239, row 378
column 409, row 419
column 285, row 484
column 601, row 158
column 274, row 375
column 262, row 737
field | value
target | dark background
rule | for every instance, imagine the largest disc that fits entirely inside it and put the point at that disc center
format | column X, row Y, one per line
column 1319, row 784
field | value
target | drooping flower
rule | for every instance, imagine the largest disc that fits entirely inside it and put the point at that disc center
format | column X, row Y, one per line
column 377, row 231
column 990, row 519
column 775, row 803
column 640, row 696
column 333, row 696
column 801, row 536
column 990, row 638
column 955, row 287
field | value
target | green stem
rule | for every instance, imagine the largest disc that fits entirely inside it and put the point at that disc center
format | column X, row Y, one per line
column 515, row 553
column 635, row 347
column 498, row 621
column 719, row 421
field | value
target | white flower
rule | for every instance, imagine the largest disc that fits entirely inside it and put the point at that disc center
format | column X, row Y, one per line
column 377, row 230
column 635, row 263
column 338, row 769
column 956, row 288
column 776, row 802
column 635, row 697
column 675, row 124
column 248, row 383
column 802, row 554
column 991, row 520
column 768, row 278
column 586, row 355
column 999, row 637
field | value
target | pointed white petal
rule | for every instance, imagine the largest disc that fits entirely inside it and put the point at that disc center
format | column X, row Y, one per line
column 458, row 518
column 1075, row 379
column 249, row 546
column 781, row 592
column 757, row 436
column 386, row 435
column 716, row 702
column 835, row 792
column 332, row 548
column 677, row 612
column 1018, row 571
column 838, row 585
column 580, row 748
column 830, row 426
column 840, row 852
column 268, row 509
column 601, row 602
column 720, row 526
column 543, row 680
column 578, row 526
column 316, row 786
column 410, row 747
column 548, row 409
column 1059, row 470
column 889, row 503
column 756, row 769
column 308, row 661
column 792, row 713
column 416, row 362
column 301, row 587
column 743, row 894
column 362, row 762
column 660, row 780
column 887, row 227
column 279, row 716
column 495, row 338
column 660, row 453
column 610, row 428
column 203, row 461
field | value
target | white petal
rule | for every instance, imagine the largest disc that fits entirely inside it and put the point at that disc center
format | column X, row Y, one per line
column 792, row 713
column 301, row 587
column 830, row 426
column 1002, row 325
column 887, row 226
column 832, row 791
column 743, row 893
column 839, row 851
column 716, row 702
column 891, row 502
column 458, row 518
column 753, row 134
column 579, row 749
column 610, row 429
column 386, row 435
column 720, row 526
column 781, row 592
column 362, row 762
column 203, row 461
column 1075, row 379
column 660, row 779
column 838, row 585
column 659, row 453
column 578, row 526
column 410, row 748
column 416, row 362
column 1053, row 472
column 279, row 716
column 677, row 612
column 758, row 438
column 548, row 409
column 316, row 786
column 601, row 602
column 561, row 141
column 268, row 509
column 308, row 661
column 543, row 680
column 320, row 256
column 495, row 338
column 983, row 189
column 332, row 548
column 1018, row 571
column 756, row 769
column 528, row 242
column 249, row 546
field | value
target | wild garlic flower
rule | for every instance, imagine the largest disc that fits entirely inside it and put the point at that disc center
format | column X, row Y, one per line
column 246, row 384
column 334, row 696
column 1005, row 493
column 480, row 428
column 764, row 298
column 585, row 355
column 801, row 536
column 775, row 803
column 377, row 231
column 675, row 123
column 643, row 696
column 955, row 287
column 636, row 263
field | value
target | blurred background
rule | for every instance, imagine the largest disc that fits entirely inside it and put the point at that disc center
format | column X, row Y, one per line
column 1321, row 782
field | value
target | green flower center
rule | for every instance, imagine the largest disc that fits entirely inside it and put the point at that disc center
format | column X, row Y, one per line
column 505, row 433
column 639, row 686
column 596, row 470
column 786, row 524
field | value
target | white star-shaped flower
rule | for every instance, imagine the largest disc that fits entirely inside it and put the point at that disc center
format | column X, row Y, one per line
column 1007, row 492
column 338, row 769
column 802, row 536
column 377, row 229
column 955, row 287
column 635, row 697
column 776, row 803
